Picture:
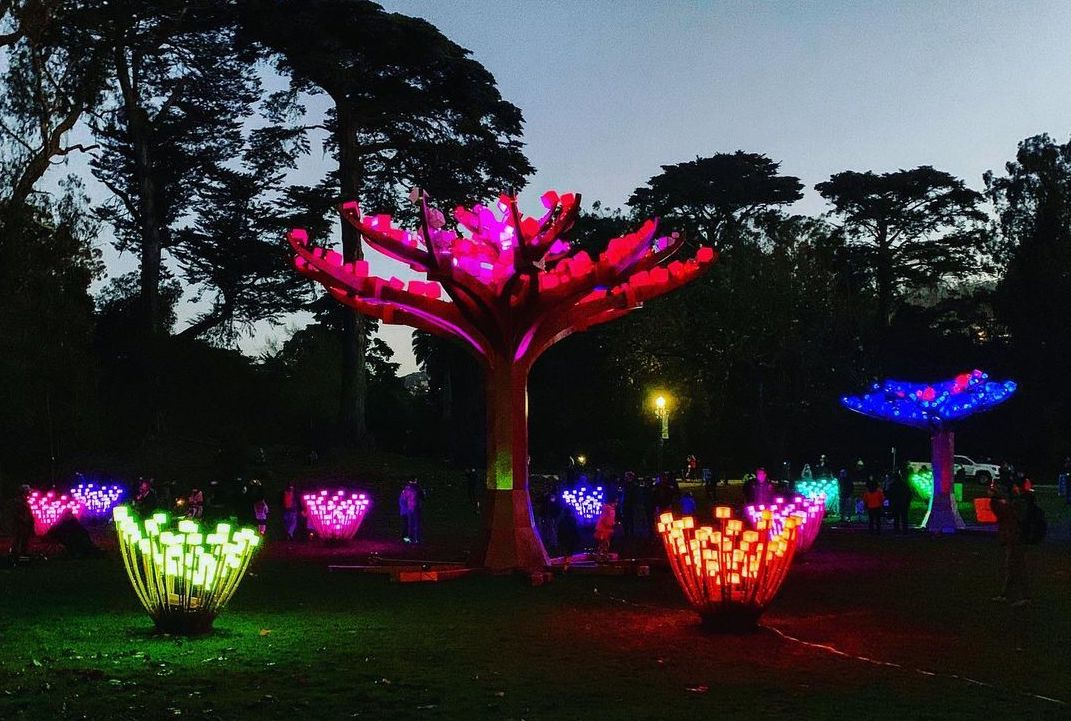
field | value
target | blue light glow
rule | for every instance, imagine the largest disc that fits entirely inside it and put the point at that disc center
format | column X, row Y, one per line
column 585, row 503
column 931, row 405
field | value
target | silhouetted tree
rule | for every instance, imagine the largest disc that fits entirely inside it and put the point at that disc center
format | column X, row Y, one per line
column 408, row 108
column 720, row 199
column 913, row 229
column 1033, row 202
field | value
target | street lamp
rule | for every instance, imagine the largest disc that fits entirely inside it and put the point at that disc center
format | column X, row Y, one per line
column 662, row 414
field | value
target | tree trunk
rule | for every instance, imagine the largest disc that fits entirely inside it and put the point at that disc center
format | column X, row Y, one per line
column 943, row 514
column 509, row 540
column 354, row 374
column 150, row 229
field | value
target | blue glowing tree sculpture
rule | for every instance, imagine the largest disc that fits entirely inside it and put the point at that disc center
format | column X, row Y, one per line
column 934, row 407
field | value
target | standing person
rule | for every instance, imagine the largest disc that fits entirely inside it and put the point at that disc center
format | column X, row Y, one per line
column 260, row 513
column 411, row 503
column 145, row 497
column 763, row 493
column 899, row 502
column 628, row 504
column 688, row 504
column 604, row 530
column 195, row 504
column 289, row 504
column 21, row 520
column 691, row 467
column 549, row 509
column 1010, row 535
column 750, row 488
column 568, row 536
column 822, row 469
column 647, row 505
column 845, row 490
column 874, row 502
column 472, row 487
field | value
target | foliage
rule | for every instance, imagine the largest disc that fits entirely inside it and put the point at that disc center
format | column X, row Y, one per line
column 912, row 229
column 1033, row 202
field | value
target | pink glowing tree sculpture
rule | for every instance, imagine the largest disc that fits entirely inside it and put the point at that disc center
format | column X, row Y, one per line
column 514, row 287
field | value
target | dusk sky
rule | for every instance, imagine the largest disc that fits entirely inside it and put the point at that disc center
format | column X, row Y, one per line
column 612, row 90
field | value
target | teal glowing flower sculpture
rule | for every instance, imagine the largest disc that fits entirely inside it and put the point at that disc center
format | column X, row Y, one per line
column 182, row 575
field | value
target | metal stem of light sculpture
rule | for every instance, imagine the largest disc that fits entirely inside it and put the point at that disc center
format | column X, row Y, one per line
column 335, row 515
column 48, row 508
column 827, row 488
column 808, row 511
column 585, row 503
column 728, row 573
column 98, row 500
column 935, row 407
column 514, row 288
column 183, row 576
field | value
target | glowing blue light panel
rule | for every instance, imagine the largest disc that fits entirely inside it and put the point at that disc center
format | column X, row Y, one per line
column 930, row 405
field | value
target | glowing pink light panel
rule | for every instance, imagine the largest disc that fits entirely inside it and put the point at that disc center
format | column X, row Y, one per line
column 335, row 515
column 98, row 500
column 809, row 513
column 48, row 508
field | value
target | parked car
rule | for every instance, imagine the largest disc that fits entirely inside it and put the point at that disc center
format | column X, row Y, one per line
column 964, row 469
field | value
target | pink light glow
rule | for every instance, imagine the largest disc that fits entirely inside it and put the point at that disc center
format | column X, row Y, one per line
column 335, row 515
column 809, row 513
column 48, row 508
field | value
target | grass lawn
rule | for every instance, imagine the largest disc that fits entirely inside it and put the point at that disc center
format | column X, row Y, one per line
column 299, row 642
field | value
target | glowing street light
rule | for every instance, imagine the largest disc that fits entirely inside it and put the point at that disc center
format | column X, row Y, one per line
column 662, row 414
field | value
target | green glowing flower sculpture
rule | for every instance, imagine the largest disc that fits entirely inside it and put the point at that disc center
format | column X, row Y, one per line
column 182, row 576
column 922, row 483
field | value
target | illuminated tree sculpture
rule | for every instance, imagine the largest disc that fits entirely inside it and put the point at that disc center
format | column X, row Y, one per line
column 182, row 575
column 514, row 287
column 935, row 407
column 729, row 573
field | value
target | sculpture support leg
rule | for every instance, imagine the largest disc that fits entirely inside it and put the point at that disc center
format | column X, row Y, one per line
column 943, row 514
column 509, row 540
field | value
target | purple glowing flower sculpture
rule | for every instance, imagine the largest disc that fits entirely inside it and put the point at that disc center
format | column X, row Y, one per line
column 934, row 407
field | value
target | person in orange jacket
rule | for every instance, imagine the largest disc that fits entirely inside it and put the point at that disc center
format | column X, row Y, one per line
column 874, row 502
column 604, row 530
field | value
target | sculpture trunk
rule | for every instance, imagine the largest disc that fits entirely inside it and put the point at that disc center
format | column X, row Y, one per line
column 943, row 514
column 510, row 540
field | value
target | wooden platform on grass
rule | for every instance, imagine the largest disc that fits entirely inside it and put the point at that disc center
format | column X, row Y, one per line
column 586, row 564
column 406, row 571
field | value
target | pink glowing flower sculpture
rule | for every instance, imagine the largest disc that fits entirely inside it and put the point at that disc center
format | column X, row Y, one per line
column 98, row 500
column 335, row 515
column 809, row 512
column 728, row 573
column 48, row 508
column 508, row 287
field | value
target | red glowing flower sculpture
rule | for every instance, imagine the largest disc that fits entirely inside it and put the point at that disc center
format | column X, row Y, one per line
column 335, row 515
column 48, row 508
column 513, row 287
column 729, row 574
